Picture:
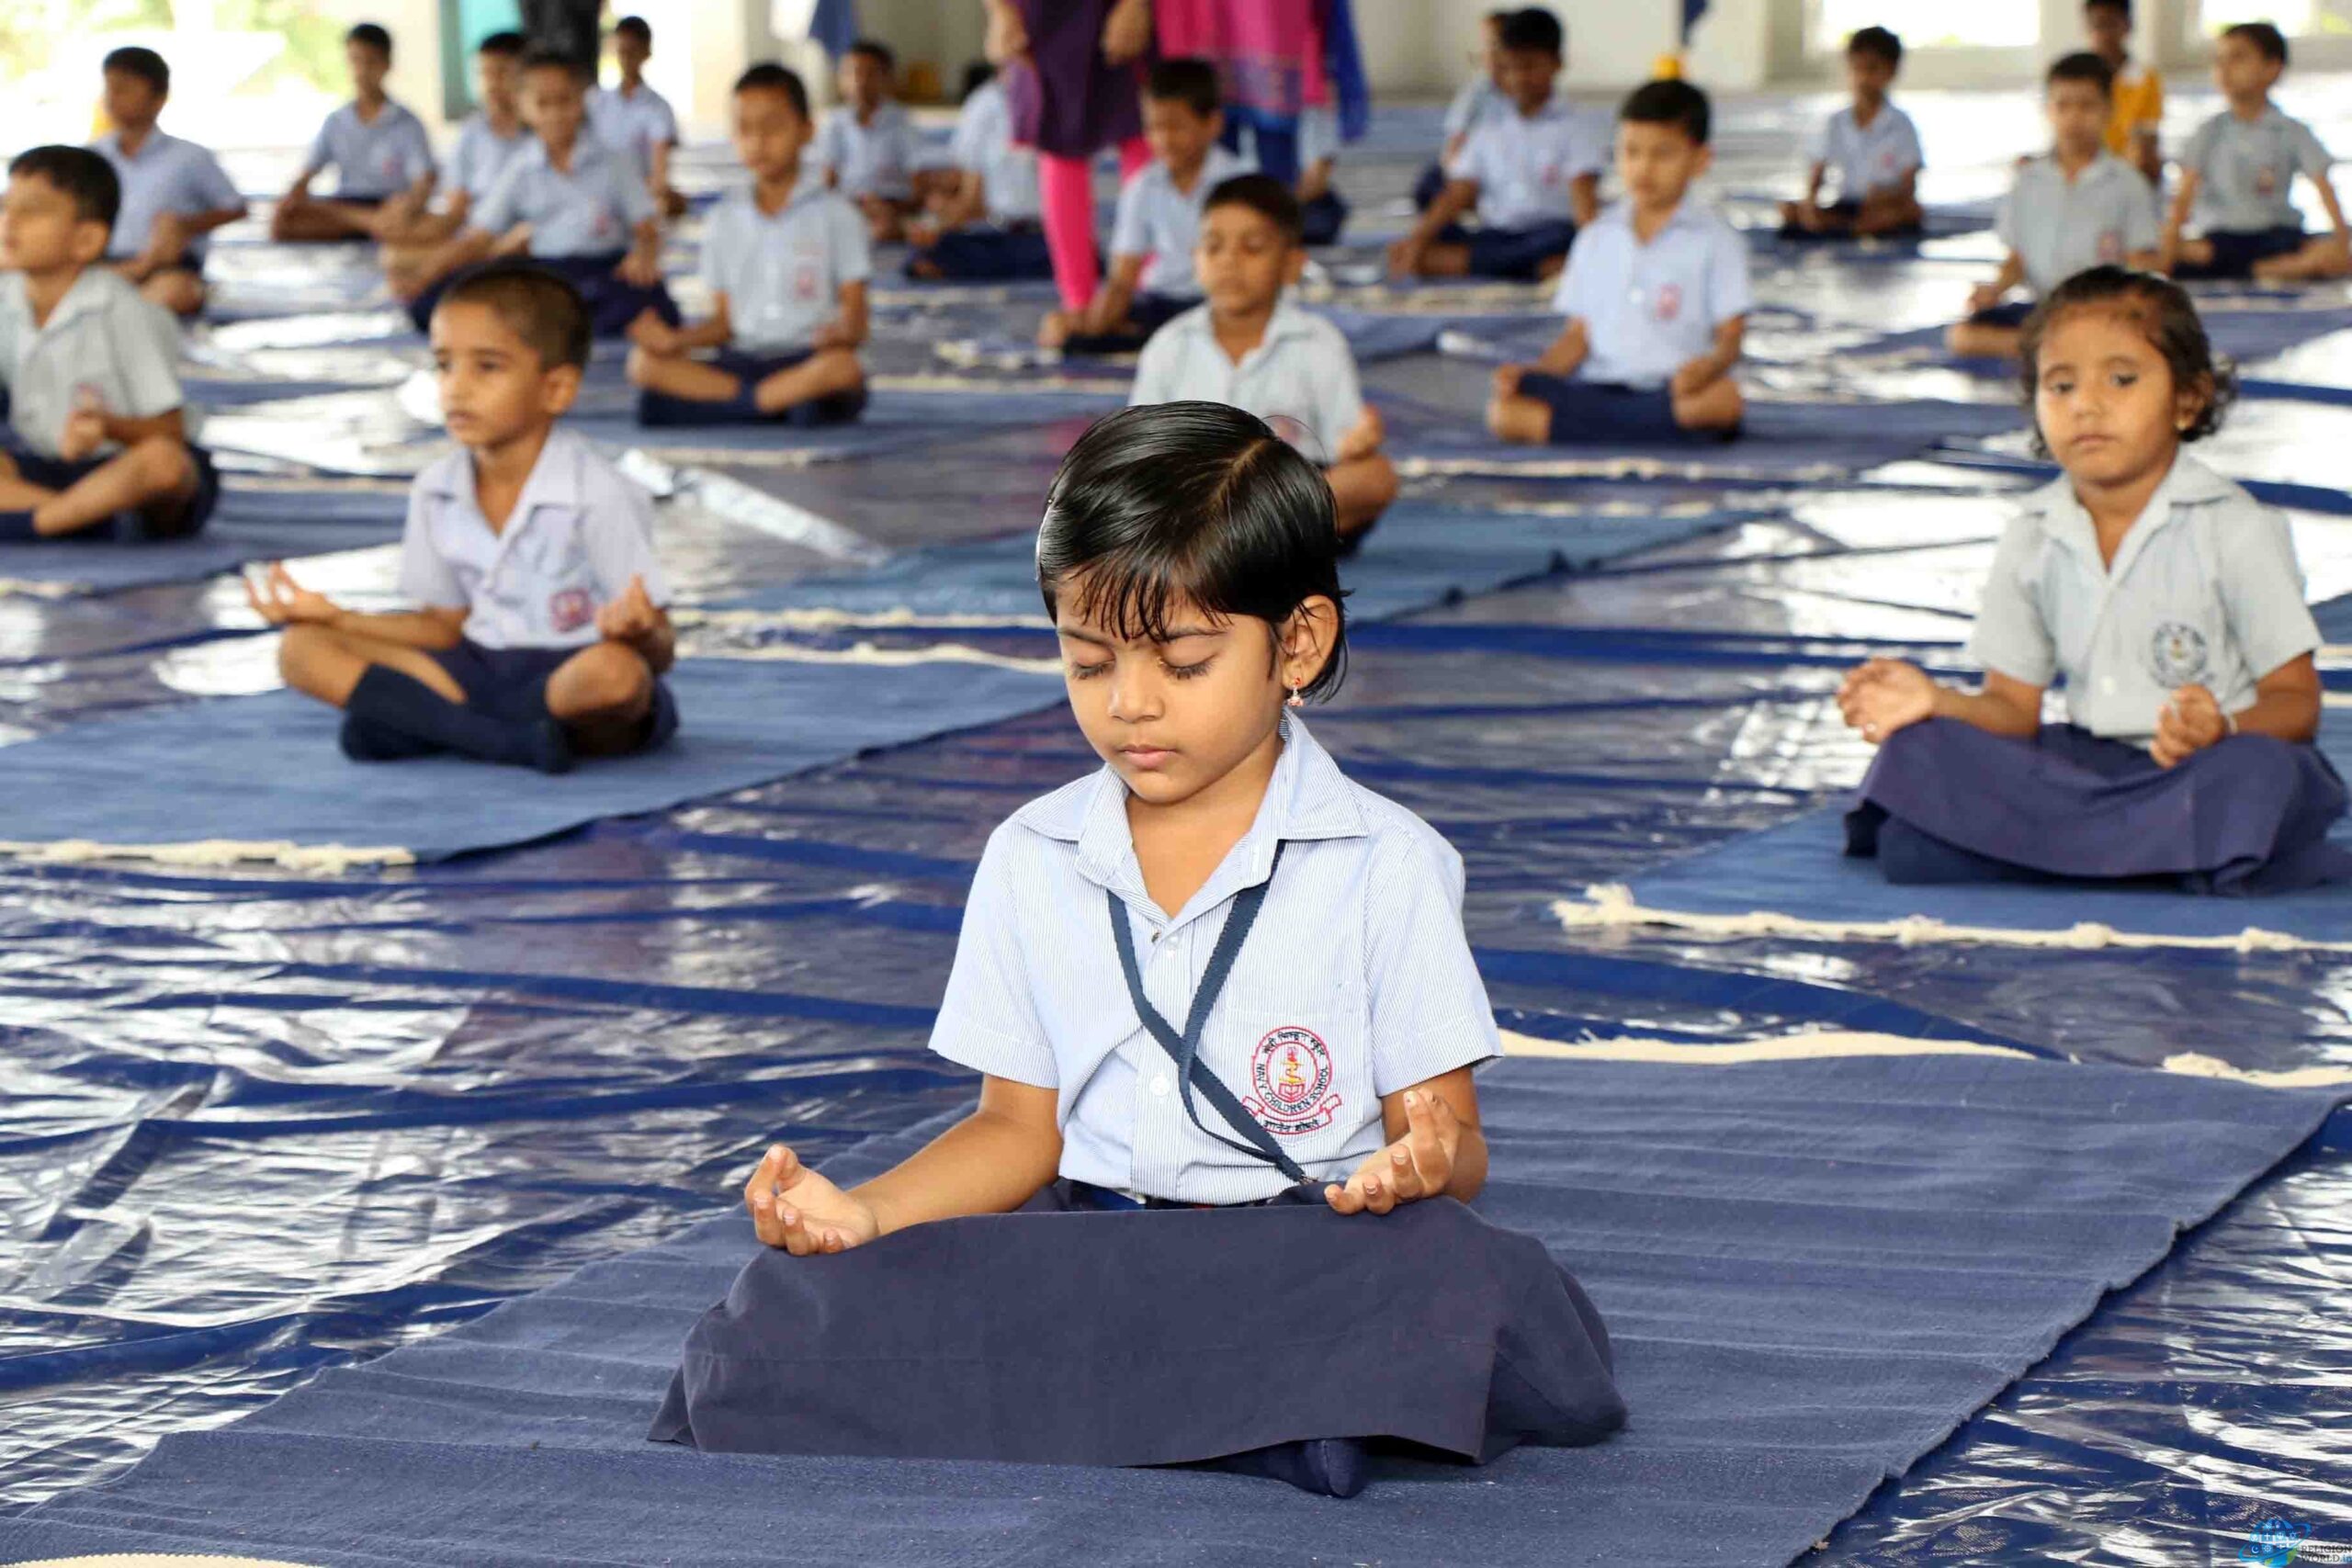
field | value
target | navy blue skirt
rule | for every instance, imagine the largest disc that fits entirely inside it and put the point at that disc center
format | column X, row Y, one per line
column 1059, row 1335
column 1947, row 802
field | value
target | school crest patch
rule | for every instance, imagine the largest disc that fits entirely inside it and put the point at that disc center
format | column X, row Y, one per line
column 2266, row 180
column 1669, row 301
column 2176, row 653
column 570, row 608
column 2110, row 245
column 1291, row 1070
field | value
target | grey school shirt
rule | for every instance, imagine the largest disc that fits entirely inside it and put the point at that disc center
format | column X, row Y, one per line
column 2245, row 170
column 2059, row 226
column 103, row 342
column 2205, row 590
column 371, row 158
column 590, row 208
column 166, row 175
column 782, row 272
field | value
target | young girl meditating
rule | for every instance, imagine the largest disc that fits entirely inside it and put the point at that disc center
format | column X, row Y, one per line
column 1226, row 1019
column 2168, row 601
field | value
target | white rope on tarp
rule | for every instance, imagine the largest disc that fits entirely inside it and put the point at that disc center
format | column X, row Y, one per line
column 323, row 859
column 889, row 658
column 1613, row 904
column 1830, row 1044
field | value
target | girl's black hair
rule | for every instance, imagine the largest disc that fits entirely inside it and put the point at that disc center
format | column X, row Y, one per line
column 2164, row 312
column 1192, row 501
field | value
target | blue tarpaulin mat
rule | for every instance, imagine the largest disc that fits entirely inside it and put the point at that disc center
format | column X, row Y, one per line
column 266, row 769
column 250, row 525
column 1812, row 1272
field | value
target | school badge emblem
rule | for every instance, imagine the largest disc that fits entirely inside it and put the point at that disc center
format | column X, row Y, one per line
column 2266, row 180
column 2110, row 245
column 1669, row 301
column 571, row 609
column 1291, row 1070
column 2176, row 653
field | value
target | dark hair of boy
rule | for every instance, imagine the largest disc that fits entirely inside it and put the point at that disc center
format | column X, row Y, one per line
column 767, row 76
column 1878, row 43
column 1193, row 83
column 541, row 58
column 1195, row 503
column 2122, row 5
column 2163, row 309
column 1265, row 196
column 539, row 307
column 145, row 65
column 875, row 51
column 637, row 27
column 1669, row 103
column 513, row 46
column 78, row 173
column 2267, row 41
column 372, row 34
column 1534, row 30
column 2083, row 66
column 977, row 75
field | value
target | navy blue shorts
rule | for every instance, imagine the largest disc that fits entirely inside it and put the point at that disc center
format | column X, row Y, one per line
column 1510, row 252
column 2012, row 314
column 612, row 304
column 986, row 255
column 511, row 684
column 1428, row 185
column 2236, row 249
column 1147, row 314
column 1321, row 220
column 1840, row 217
column 128, row 527
column 666, row 410
column 1584, row 412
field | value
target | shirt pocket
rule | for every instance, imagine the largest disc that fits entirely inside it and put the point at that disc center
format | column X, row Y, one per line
column 1300, row 1058
column 2184, row 639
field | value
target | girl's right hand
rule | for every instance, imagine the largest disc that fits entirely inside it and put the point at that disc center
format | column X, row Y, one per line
column 1984, row 297
column 796, row 1208
column 1885, row 695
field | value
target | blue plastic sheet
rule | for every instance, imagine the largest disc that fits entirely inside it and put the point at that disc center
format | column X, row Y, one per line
column 251, row 523
column 1832, row 1263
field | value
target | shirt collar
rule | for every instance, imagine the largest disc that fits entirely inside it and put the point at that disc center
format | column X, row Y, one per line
column 555, row 479
column 1308, row 798
column 87, row 295
column 2064, row 519
column 587, row 149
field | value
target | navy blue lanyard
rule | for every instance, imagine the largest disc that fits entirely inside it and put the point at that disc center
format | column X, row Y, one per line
column 1184, row 1049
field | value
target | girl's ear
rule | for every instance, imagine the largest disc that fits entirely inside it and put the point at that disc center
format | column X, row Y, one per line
column 1307, row 640
column 2189, row 402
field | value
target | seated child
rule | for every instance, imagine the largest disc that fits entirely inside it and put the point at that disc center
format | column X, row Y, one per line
column 1159, row 219
column 491, row 139
column 981, row 222
column 2139, row 112
column 1290, row 1168
column 2238, row 172
column 531, row 655
column 2169, row 603
column 634, row 119
column 1473, row 103
column 1533, row 174
column 1252, row 348
column 1655, row 296
column 1872, row 145
column 2080, row 206
column 174, row 192
column 1322, row 210
column 377, row 150
column 868, row 145
column 572, row 204
column 786, row 264
column 97, row 444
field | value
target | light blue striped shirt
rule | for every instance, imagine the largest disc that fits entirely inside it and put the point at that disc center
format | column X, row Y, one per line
column 1356, row 981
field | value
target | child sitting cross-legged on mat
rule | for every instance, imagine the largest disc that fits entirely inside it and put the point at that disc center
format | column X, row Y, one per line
column 2237, row 175
column 1227, row 1021
column 1252, row 348
column 786, row 261
column 1873, row 148
column 1656, row 299
column 97, row 444
column 2080, row 206
column 567, row 201
column 174, row 192
column 492, row 137
column 2171, row 604
column 379, row 151
column 539, row 633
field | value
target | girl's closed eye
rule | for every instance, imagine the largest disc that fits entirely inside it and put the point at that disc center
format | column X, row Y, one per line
column 1187, row 671
column 1084, row 671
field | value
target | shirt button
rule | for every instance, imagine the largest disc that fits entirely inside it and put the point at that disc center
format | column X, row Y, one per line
column 1160, row 1086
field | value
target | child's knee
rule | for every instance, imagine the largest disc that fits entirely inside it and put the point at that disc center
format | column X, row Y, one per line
column 300, row 653
column 609, row 679
column 162, row 465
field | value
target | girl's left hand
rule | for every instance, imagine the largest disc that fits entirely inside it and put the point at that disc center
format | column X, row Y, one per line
column 2186, row 725
column 1885, row 695
column 1417, row 1166
column 1126, row 32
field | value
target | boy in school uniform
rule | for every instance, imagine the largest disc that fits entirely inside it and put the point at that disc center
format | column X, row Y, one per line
column 98, row 435
column 1159, row 219
column 1473, row 102
column 2237, row 172
column 868, row 145
column 1873, row 149
column 490, row 140
column 635, row 120
column 377, row 148
column 539, row 634
column 1250, row 348
column 2139, row 93
column 570, row 203
column 1655, row 296
column 1533, row 175
column 2077, row 207
column 174, row 192
column 983, row 221
column 786, row 264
